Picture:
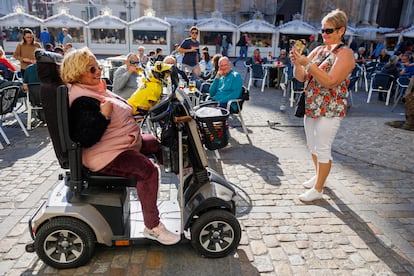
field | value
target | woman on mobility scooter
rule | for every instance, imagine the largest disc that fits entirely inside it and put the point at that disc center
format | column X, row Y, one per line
column 112, row 141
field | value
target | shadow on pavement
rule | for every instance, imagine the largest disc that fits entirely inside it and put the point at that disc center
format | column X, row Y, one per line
column 393, row 259
column 150, row 258
column 257, row 160
column 22, row 146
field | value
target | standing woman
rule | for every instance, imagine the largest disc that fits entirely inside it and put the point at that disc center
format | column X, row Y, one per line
column 25, row 50
column 325, row 71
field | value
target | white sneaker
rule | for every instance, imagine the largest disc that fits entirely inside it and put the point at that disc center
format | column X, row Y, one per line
column 162, row 235
column 311, row 195
column 309, row 183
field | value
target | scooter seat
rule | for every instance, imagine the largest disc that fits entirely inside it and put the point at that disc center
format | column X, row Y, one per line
column 98, row 179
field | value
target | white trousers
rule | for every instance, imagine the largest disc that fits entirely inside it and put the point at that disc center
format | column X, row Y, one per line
column 320, row 134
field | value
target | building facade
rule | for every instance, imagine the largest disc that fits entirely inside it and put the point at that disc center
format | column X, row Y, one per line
column 362, row 13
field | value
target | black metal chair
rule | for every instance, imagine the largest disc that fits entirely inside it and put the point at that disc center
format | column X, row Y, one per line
column 296, row 87
column 357, row 75
column 109, row 83
column 8, row 100
column 257, row 73
column 34, row 101
column 381, row 83
column 235, row 108
column 369, row 69
column 402, row 85
column 352, row 86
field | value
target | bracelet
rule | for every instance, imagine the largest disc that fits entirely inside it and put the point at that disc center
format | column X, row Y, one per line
column 307, row 67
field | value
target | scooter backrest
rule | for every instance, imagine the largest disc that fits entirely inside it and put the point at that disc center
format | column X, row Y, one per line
column 48, row 64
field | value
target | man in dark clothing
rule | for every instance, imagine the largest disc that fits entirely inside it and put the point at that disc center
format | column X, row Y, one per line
column 243, row 44
column 190, row 48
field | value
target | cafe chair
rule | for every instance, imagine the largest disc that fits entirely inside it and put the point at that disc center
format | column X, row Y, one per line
column 111, row 73
column 369, row 70
column 8, row 99
column 257, row 73
column 296, row 87
column 284, row 84
column 235, row 108
column 402, row 85
column 357, row 75
column 33, row 103
column 108, row 82
column 247, row 65
column 5, row 72
column 381, row 83
column 352, row 87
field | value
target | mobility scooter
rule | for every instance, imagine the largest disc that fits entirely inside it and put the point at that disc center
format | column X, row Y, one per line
column 86, row 208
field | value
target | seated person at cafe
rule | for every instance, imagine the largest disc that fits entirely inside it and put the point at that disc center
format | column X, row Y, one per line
column 151, row 58
column 158, row 55
column 390, row 68
column 406, row 66
column 206, row 64
column 203, row 84
column 276, row 73
column 125, row 77
column 227, row 84
column 7, row 69
column 360, row 56
column 383, row 57
column 149, row 91
column 256, row 58
column 142, row 56
column 176, row 73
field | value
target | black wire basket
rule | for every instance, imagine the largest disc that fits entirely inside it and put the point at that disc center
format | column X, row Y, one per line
column 213, row 126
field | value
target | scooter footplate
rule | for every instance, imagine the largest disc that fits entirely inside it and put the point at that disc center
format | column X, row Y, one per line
column 169, row 215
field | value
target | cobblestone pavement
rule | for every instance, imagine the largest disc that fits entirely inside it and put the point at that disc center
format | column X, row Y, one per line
column 364, row 225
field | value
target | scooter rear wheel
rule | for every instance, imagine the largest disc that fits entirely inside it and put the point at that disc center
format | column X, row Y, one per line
column 65, row 242
column 215, row 234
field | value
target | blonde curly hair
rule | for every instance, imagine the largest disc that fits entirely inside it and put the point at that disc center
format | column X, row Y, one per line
column 337, row 18
column 75, row 64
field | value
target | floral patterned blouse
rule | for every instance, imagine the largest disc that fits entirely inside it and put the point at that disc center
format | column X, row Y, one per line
column 321, row 101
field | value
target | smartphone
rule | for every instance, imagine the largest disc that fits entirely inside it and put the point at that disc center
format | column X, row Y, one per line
column 300, row 46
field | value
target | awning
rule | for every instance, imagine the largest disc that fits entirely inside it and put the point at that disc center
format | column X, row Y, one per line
column 107, row 22
column 64, row 20
column 20, row 19
column 297, row 27
column 149, row 23
column 257, row 26
column 216, row 24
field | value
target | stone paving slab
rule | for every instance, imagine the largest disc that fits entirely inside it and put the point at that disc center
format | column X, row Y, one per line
column 364, row 225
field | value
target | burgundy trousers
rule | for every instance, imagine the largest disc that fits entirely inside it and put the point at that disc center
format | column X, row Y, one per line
column 136, row 165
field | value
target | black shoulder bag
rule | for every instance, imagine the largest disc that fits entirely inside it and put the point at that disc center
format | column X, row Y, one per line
column 300, row 106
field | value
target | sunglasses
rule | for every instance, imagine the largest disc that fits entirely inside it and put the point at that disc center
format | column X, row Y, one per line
column 194, row 32
column 329, row 30
column 94, row 68
column 133, row 62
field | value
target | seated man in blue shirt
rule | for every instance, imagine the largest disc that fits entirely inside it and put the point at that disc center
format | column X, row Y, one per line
column 407, row 67
column 227, row 84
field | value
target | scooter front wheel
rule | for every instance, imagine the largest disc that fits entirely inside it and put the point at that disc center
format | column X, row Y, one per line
column 215, row 234
column 65, row 242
